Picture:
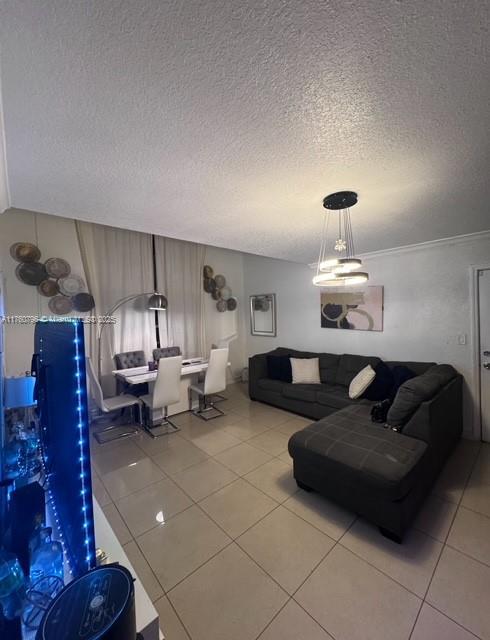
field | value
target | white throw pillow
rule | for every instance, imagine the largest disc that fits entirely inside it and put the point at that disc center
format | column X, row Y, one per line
column 361, row 382
column 305, row 370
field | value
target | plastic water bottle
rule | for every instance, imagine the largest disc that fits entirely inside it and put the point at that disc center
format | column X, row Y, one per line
column 47, row 557
column 12, row 585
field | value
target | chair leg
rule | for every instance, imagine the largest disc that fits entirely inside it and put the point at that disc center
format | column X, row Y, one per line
column 115, row 432
column 204, row 407
column 166, row 427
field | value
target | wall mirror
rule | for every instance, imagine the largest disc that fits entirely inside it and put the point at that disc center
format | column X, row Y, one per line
column 263, row 314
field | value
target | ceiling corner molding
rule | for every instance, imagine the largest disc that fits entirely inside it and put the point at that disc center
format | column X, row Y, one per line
column 452, row 240
column 4, row 185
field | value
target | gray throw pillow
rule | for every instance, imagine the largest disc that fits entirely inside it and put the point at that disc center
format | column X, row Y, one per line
column 413, row 392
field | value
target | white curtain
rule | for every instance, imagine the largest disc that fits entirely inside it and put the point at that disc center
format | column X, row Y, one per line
column 118, row 263
column 179, row 277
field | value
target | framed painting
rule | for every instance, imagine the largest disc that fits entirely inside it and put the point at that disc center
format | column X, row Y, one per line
column 358, row 309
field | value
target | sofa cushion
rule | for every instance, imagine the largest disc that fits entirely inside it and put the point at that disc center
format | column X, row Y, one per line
column 361, row 382
column 346, row 446
column 279, row 368
column 305, row 370
column 304, row 392
column 380, row 387
column 417, row 390
column 350, row 365
column 270, row 385
column 401, row 375
column 417, row 367
column 335, row 396
column 329, row 363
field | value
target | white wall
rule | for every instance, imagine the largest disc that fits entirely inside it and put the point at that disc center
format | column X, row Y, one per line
column 4, row 190
column 426, row 299
column 223, row 324
column 55, row 237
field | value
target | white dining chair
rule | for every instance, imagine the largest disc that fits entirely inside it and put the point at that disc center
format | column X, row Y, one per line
column 108, row 405
column 214, row 382
column 166, row 391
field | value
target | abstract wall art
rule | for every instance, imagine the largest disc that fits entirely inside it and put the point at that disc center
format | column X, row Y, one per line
column 354, row 308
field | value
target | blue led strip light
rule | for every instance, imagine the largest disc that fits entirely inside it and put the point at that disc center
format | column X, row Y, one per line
column 52, row 503
column 82, row 459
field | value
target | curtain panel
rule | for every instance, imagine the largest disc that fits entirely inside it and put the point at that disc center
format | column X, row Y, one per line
column 179, row 275
column 118, row 263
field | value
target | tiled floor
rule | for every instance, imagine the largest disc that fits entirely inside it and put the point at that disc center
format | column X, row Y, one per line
column 228, row 548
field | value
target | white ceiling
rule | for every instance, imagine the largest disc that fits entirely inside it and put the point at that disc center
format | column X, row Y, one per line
column 227, row 121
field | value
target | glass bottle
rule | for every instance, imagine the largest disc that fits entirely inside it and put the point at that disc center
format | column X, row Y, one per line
column 47, row 557
column 12, row 585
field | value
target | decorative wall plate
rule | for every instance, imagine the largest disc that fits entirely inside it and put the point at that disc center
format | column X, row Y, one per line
column 215, row 295
column 57, row 267
column 221, row 305
column 48, row 288
column 71, row 285
column 225, row 293
column 60, row 305
column 83, row 302
column 207, row 271
column 232, row 304
column 220, row 281
column 25, row 252
column 32, row 273
column 209, row 285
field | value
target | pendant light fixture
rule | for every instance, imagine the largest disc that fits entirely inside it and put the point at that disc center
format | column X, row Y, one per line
column 337, row 265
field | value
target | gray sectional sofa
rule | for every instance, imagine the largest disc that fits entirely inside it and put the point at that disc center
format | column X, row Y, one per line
column 377, row 472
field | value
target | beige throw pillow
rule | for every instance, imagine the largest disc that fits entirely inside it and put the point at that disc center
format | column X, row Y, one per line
column 361, row 382
column 305, row 370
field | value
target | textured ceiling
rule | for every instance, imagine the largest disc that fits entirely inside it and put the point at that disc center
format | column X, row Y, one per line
column 226, row 121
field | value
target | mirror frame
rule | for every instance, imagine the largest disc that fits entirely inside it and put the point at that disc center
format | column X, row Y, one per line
column 272, row 299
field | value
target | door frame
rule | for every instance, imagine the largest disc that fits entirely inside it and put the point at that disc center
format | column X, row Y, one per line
column 475, row 341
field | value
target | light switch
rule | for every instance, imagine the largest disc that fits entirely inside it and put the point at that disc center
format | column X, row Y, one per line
column 462, row 338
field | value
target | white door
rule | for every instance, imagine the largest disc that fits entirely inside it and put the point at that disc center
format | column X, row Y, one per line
column 484, row 321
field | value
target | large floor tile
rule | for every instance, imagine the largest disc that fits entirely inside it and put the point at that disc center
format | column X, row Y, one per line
column 354, row 601
column 273, row 442
column 261, row 412
column 321, row 513
column 152, row 446
column 237, row 507
column 470, row 534
column 182, row 455
column 118, row 525
column 116, row 456
column 243, row 458
column 432, row 625
column 152, row 506
column 435, row 517
column 204, row 478
column 182, row 545
column 275, row 478
column 293, row 623
column 411, row 563
column 247, row 428
column 292, row 425
column 170, row 624
column 100, row 492
column 216, row 442
column 143, row 571
column 477, row 493
column 286, row 546
column 454, row 476
column 229, row 598
column 461, row 590
column 126, row 480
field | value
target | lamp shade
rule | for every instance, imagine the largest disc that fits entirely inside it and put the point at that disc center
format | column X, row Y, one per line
column 157, row 302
